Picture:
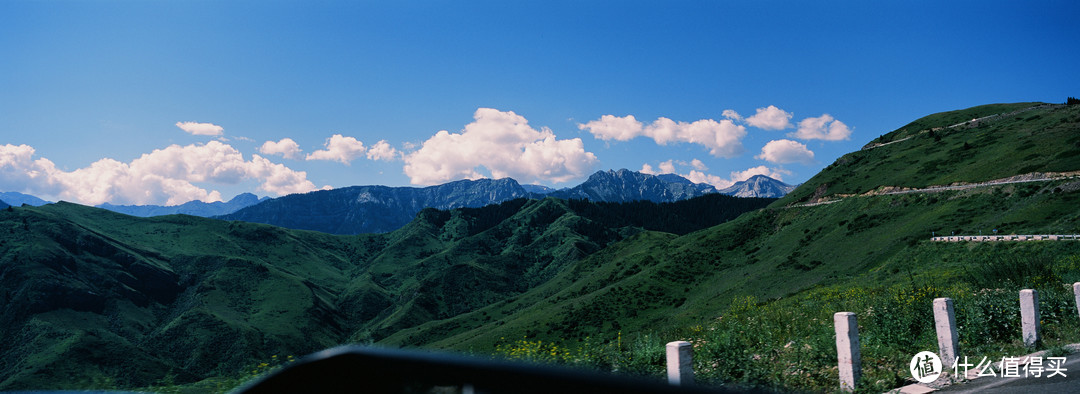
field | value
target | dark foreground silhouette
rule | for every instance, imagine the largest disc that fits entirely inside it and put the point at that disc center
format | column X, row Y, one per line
column 376, row 370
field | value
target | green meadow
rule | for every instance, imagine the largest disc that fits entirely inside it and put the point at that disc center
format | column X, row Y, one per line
column 93, row 299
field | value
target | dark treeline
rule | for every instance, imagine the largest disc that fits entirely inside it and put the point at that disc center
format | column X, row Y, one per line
column 680, row 217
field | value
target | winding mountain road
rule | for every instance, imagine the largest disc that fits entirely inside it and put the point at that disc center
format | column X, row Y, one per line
column 889, row 190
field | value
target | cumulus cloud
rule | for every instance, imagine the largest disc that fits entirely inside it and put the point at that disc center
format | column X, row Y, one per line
column 720, row 182
column 196, row 128
column 774, row 173
column 382, row 151
column 504, row 144
column 287, row 148
column 611, row 127
column 786, row 151
column 698, row 175
column 731, row 114
column 277, row 178
column 823, row 127
column 341, row 149
column 667, row 167
column 723, row 138
column 770, row 118
column 701, row 177
column 163, row 176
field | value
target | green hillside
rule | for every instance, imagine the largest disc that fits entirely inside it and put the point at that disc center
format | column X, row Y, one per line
column 1034, row 137
column 658, row 280
column 659, row 285
column 94, row 299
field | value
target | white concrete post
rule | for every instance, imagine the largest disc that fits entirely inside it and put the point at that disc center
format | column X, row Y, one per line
column 947, row 338
column 680, row 363
column 847, row 349
column 1029, row 316
column 1076, row 292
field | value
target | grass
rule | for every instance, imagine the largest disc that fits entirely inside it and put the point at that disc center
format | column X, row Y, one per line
column 94, row 298
column 194, row 298
column 656, row 281
column 788, row 343
column 1042, row 140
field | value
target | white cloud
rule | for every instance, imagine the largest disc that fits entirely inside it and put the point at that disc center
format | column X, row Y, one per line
column 774, row 173
column 770, row 118
column 277, row 178
column 287, row 148
column 786, row 151
column 701, row 177
column 823, row 127
column 667, row 167
column 610, row 127
column 698, row 174
column 382, row 151
column 340, row 148
column 195, row 128
column 723, row 138
column 504, row 144
column 735, row 176
column 731, row 114
column 163, row 176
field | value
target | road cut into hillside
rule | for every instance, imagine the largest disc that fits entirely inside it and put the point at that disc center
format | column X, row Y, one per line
column 889, row 190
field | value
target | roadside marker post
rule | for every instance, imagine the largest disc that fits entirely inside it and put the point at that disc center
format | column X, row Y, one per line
column 1076, row 292
column 945, row 325
column 847, row 349
column 680, row 363
column 1029, row 316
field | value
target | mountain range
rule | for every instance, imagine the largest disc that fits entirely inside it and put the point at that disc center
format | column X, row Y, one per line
column 758, row 186
column 625, row 186
column 194, row 208
column 18, row 199
column 89, row 295
column 94, row 299
column 378, row 209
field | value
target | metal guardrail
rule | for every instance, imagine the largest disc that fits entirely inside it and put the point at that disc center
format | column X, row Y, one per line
column 356, row 369
column 1007, row 238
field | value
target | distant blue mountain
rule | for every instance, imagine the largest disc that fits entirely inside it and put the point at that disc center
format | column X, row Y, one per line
column 374, row 209
column 18, row 199
column 759, row 186
column 194, row 208
column 625, row 186
column 379, row 209
column 3, row 204
column 538, row 189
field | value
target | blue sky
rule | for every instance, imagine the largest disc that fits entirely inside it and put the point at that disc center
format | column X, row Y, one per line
column 163, row 102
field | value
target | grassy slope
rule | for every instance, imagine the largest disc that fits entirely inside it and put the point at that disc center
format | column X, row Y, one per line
column 100, row 299
column 95, row 299
column 1040, row 140
column 656, row 282
column 659, row 281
